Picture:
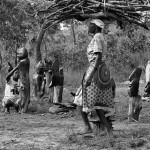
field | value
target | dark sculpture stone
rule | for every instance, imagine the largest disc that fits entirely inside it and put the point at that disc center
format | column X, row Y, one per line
column 23, row 66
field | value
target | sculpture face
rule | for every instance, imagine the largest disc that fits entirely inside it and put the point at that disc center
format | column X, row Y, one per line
column 10, row 67
column 22, row 53
column 16, row 75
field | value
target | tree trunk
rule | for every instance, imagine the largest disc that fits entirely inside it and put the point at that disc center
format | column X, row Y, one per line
column 38, row 55
column 73, row 32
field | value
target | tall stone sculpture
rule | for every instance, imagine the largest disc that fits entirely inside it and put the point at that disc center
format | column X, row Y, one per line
column 23, row 66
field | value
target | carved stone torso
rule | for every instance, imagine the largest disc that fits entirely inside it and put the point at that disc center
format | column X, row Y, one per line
column 24, row 71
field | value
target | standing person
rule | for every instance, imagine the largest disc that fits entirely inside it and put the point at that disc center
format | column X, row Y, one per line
column 147, row 72
column 12, row 89
column 96, row 85
column 147, row 87
column 135, row 102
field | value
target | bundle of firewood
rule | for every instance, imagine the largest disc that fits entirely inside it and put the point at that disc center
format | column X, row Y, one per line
column 120, row 11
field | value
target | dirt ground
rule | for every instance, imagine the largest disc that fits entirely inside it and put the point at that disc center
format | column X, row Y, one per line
column 45, row 131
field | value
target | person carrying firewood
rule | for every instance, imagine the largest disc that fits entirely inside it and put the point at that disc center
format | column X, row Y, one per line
column 96, row 89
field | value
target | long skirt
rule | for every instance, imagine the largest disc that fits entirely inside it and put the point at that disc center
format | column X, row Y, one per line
column 93, row 96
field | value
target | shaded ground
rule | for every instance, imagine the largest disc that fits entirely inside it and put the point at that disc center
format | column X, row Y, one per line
column 45, row 131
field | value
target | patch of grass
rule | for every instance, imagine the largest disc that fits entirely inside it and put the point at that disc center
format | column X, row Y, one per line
column 39, row 106
column 71, row 135
column 72, row 78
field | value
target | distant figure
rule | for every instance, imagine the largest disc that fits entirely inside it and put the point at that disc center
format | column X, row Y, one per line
column 147, row 87
column 57, row 80
column 147, row 72
column 147, row 90
column 135, row 102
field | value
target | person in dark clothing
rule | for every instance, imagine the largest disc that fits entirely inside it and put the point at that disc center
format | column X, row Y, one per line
column 147, row 89
column 135, row 102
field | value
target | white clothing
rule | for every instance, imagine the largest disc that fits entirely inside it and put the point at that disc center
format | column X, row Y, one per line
column 78, row 97
column 56, row 94
column 12, row 90
column 147, row 72
column 97, row 44
column 98, row 22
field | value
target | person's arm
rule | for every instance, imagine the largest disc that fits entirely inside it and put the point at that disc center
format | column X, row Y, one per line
column 132, row 75
column 94, row 68
column 98, row 48
column 11, row 73
column 113, row 87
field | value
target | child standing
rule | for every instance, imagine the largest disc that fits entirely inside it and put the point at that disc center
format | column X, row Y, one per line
column 135, row 102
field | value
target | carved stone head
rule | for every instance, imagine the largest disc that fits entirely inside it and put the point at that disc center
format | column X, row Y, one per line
column 10, row 67
column 16, row 75
column 22, row 53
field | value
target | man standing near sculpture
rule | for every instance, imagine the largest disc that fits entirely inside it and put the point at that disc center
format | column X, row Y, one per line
column 147, row 72
column 57, row 81
column 23, row 67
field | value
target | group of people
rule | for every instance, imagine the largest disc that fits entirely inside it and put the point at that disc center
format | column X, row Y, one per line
column 97, row 90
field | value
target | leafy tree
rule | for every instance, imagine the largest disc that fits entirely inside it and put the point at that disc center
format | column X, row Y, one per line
column 127, row 49
column 15, row 24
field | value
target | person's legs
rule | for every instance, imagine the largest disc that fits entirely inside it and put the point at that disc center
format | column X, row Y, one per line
column 7, row 106
column 3, row 105
column 103, row 119
column 84, row 115
column 137, row 103
column 130, row 111
column 16, row 106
